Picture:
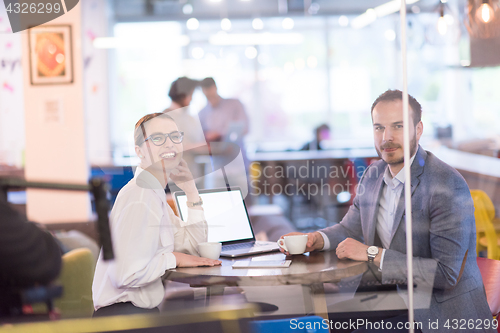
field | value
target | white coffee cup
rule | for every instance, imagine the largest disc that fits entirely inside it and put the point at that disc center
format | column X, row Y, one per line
column 210, row 250
column 295, row 244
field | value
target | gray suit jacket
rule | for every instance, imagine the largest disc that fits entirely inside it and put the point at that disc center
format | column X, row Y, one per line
column 444, row 241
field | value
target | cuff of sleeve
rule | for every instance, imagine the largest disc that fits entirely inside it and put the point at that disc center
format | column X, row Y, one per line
column 170, row 261
column 326, row 241
column 381, row 260
column 195, row 215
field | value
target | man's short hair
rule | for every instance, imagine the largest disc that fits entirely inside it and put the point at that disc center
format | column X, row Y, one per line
column 393, row 95
column 181, row 88
column 207, row 82
column 322, row 127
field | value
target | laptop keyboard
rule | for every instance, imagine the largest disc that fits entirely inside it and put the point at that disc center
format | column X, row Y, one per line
column 239, row 246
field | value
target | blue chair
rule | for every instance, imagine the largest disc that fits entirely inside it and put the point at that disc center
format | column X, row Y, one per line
column 310, row 324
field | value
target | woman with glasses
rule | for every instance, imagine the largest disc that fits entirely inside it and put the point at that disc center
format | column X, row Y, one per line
column 148, row 238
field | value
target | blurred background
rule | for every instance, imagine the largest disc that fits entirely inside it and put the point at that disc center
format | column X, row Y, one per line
column 294, row 64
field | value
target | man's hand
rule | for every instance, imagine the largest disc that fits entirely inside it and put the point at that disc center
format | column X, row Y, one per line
column 352, row 249
column 314, row 241
column 187, row 260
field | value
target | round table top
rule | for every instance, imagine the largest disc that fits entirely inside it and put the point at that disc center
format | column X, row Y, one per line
column 305, row 269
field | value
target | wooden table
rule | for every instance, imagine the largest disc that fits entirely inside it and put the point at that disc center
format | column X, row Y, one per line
column 310, row 270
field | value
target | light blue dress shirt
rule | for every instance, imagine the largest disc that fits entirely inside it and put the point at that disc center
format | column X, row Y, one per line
column 387, row 209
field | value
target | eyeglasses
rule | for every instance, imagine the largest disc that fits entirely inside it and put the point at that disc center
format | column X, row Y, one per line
column 158, row 139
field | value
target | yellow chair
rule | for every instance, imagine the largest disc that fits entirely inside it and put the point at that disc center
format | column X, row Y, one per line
column 76, row 278
column 485, row 232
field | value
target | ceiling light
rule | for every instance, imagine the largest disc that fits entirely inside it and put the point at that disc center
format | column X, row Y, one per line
column 343, row 21
column 187, row 9
column 485, row 13
column 482, row 19
column 266, row 38
column 287, row 23
column 197, row 52
column 442, row 26
column 192, row 24
column 116, row 42
column 372, row 14
column 251, row 52
column 257, row 24
column 390, row 35
column 300, row 63
column 364, row 19
column 225, row 24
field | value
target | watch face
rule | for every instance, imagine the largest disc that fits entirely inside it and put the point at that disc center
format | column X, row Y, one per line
column 372, row 250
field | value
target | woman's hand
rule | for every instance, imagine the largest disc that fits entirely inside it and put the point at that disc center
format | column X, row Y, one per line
column 184, row 179
column 187, row 260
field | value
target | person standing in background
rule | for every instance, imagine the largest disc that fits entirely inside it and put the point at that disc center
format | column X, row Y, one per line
column 220, row 113
column 223, row 119
column 181, row 93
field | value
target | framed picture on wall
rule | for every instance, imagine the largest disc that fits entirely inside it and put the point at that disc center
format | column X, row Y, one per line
column 51, row 56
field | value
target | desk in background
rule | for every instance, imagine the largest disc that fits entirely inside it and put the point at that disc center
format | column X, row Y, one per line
column 318, row 185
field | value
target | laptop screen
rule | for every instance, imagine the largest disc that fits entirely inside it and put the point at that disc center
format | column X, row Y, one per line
column 225, row 212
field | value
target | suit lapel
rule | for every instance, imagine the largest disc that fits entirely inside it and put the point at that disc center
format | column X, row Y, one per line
column 416, row 170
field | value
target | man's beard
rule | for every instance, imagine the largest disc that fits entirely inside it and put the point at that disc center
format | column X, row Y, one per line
column 413, row 149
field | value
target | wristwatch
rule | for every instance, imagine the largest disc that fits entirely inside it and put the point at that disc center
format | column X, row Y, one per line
column 372, row 252
column 195, row 204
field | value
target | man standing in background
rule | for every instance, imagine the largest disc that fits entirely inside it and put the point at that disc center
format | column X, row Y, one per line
column 225, row 123
column 221, row 115
column 181, row 93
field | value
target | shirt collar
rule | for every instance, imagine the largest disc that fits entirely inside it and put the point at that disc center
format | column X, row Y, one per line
column 145, row 179
column 399, row 178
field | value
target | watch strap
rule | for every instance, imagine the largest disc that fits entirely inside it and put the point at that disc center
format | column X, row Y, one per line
column 195, row 204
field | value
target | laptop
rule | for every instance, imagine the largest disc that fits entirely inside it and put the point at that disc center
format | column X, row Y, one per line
column 228, row 222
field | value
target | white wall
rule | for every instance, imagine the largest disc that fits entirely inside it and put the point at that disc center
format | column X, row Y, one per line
column 56, row 150
column 11, row 95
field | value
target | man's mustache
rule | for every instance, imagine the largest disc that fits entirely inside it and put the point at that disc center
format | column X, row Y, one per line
column 390, row 146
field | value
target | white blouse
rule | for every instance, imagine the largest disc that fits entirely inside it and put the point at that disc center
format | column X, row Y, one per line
column 145, row 231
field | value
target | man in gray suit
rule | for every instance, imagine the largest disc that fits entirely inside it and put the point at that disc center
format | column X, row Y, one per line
column 444, row 237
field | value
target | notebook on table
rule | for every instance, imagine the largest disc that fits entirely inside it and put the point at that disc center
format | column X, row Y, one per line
column 228, row 222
